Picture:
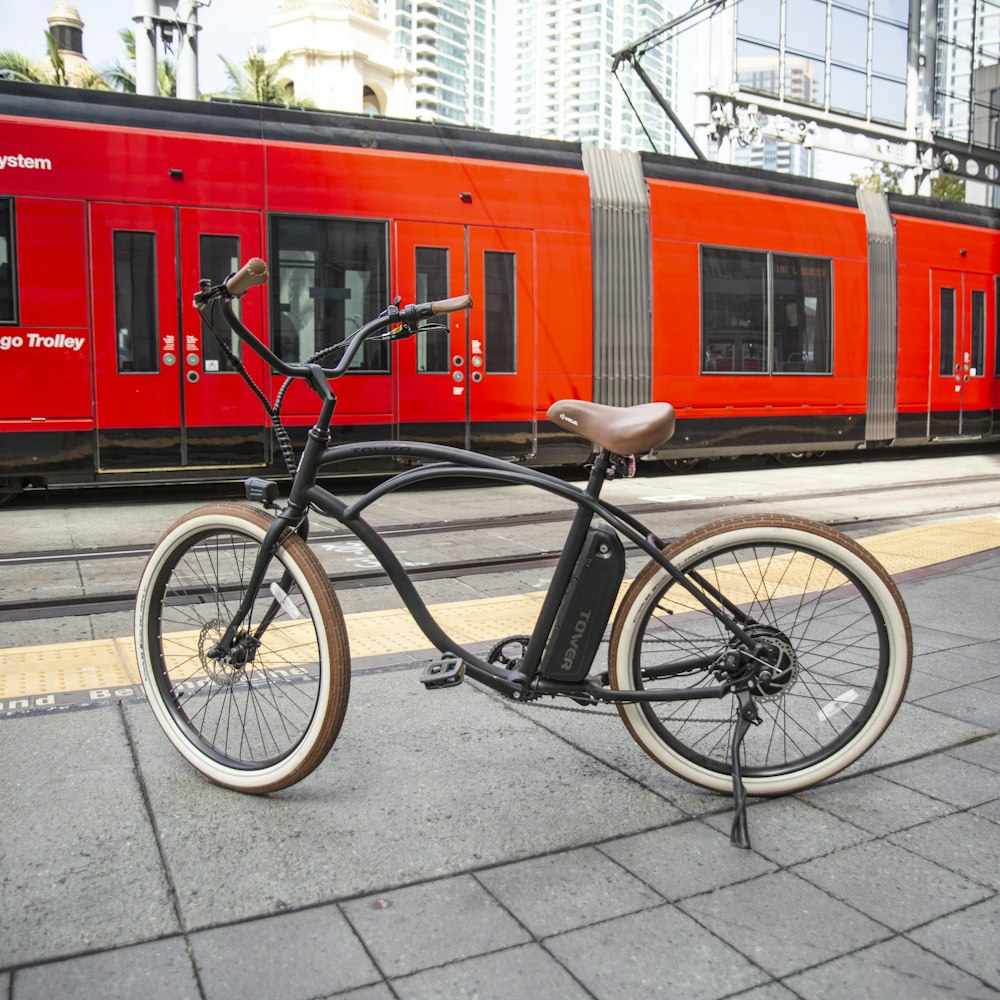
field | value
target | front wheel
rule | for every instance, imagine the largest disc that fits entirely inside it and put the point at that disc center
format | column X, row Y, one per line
column 263, row 716
column 838, row 655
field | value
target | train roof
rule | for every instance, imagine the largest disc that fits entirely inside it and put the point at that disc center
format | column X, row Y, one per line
column 276, row 123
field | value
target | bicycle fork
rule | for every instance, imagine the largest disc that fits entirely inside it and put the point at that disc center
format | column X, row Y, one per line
column 237, row 645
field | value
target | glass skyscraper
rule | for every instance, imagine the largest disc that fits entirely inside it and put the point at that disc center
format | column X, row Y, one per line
column 563, row 84
column 452, row 46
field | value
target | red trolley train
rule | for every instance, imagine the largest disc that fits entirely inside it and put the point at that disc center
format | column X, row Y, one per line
column 779, row 315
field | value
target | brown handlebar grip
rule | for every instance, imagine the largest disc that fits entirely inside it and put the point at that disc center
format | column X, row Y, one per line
column 451, row 305
column 253, row 272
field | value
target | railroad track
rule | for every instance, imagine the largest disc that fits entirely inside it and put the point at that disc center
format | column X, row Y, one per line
column 123, row 600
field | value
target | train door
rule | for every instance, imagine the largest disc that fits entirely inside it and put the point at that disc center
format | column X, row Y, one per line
column 472, row 386
column 960, row 397
column 162, row 401
column 223, row 420
column 432, row 375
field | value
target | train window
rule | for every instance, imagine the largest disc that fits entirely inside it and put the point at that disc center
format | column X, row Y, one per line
column 977, row 359
column 501, row 313
column 330, row 277
column 432, row 284
column 765, row 313
column 947, row 316
column 800, row 314
column 8, row 269
column 996, row 327
column 734, row 310
column 135, row 302
column 217, row 257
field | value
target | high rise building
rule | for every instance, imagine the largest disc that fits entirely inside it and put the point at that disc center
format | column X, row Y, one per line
column 563, row 84
column 968, row 43
column 451, row 45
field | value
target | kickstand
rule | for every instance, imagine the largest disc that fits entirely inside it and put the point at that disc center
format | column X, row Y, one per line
column 746, row 714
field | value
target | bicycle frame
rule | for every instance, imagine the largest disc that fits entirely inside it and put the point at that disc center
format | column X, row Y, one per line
column 525, row 682
column 451, row 463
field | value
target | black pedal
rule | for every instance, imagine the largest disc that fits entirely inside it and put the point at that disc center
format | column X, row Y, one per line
column 448, row 671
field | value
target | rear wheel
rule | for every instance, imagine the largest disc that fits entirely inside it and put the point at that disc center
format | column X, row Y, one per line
column 265, row 714
column 835, row 663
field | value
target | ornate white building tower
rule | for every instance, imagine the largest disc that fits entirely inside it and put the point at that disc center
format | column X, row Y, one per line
column 340, row 57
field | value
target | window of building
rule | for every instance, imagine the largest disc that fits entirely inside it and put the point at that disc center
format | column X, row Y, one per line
column 330, row 277
column 760, row 20
column 765, row 313
column 840, row 55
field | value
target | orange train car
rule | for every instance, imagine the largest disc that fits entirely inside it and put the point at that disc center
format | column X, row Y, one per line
column 779, row 315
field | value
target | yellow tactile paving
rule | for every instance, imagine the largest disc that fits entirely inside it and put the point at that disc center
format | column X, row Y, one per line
column 30, row 674
column 927, row 544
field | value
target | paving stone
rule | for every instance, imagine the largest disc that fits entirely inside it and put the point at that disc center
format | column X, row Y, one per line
column 525, row 971
column 874, row 804
column 985, row 753
column 946, row 778
column 788, row 830
column 292, row 956
column 415, row 928
column 967, row 939
column 915, row 731
column 772, row 991
column 160, row 970
column 892, row 970
column 686, row 859
column 962, row 662
column 927, row 639
column 922, row 684
column 77, row 849
column 656, row 953
column 784, row 923
column 890, row 884
column 564, row 891
column 417, row 786
column 962, row 842
column 926, row 600
column 972, row 703
column 377, row 992
column 989, row 810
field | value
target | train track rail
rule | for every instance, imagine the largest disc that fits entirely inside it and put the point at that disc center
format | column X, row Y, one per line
column 123, row 600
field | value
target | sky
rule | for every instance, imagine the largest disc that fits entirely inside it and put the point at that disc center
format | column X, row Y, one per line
column 228, row 27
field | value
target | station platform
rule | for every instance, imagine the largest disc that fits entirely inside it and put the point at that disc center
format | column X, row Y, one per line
column 455, row 844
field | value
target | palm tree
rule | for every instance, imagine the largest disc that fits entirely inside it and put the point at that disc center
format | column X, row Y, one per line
column 254, row 81
column 15, row 66
column 120, row 77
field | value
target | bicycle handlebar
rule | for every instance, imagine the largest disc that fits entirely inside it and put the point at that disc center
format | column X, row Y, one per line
column 254, row 272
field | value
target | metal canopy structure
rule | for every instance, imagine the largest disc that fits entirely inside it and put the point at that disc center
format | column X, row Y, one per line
column 910, row 83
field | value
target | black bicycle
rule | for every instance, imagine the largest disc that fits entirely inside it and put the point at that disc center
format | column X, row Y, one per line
column 759, row 654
